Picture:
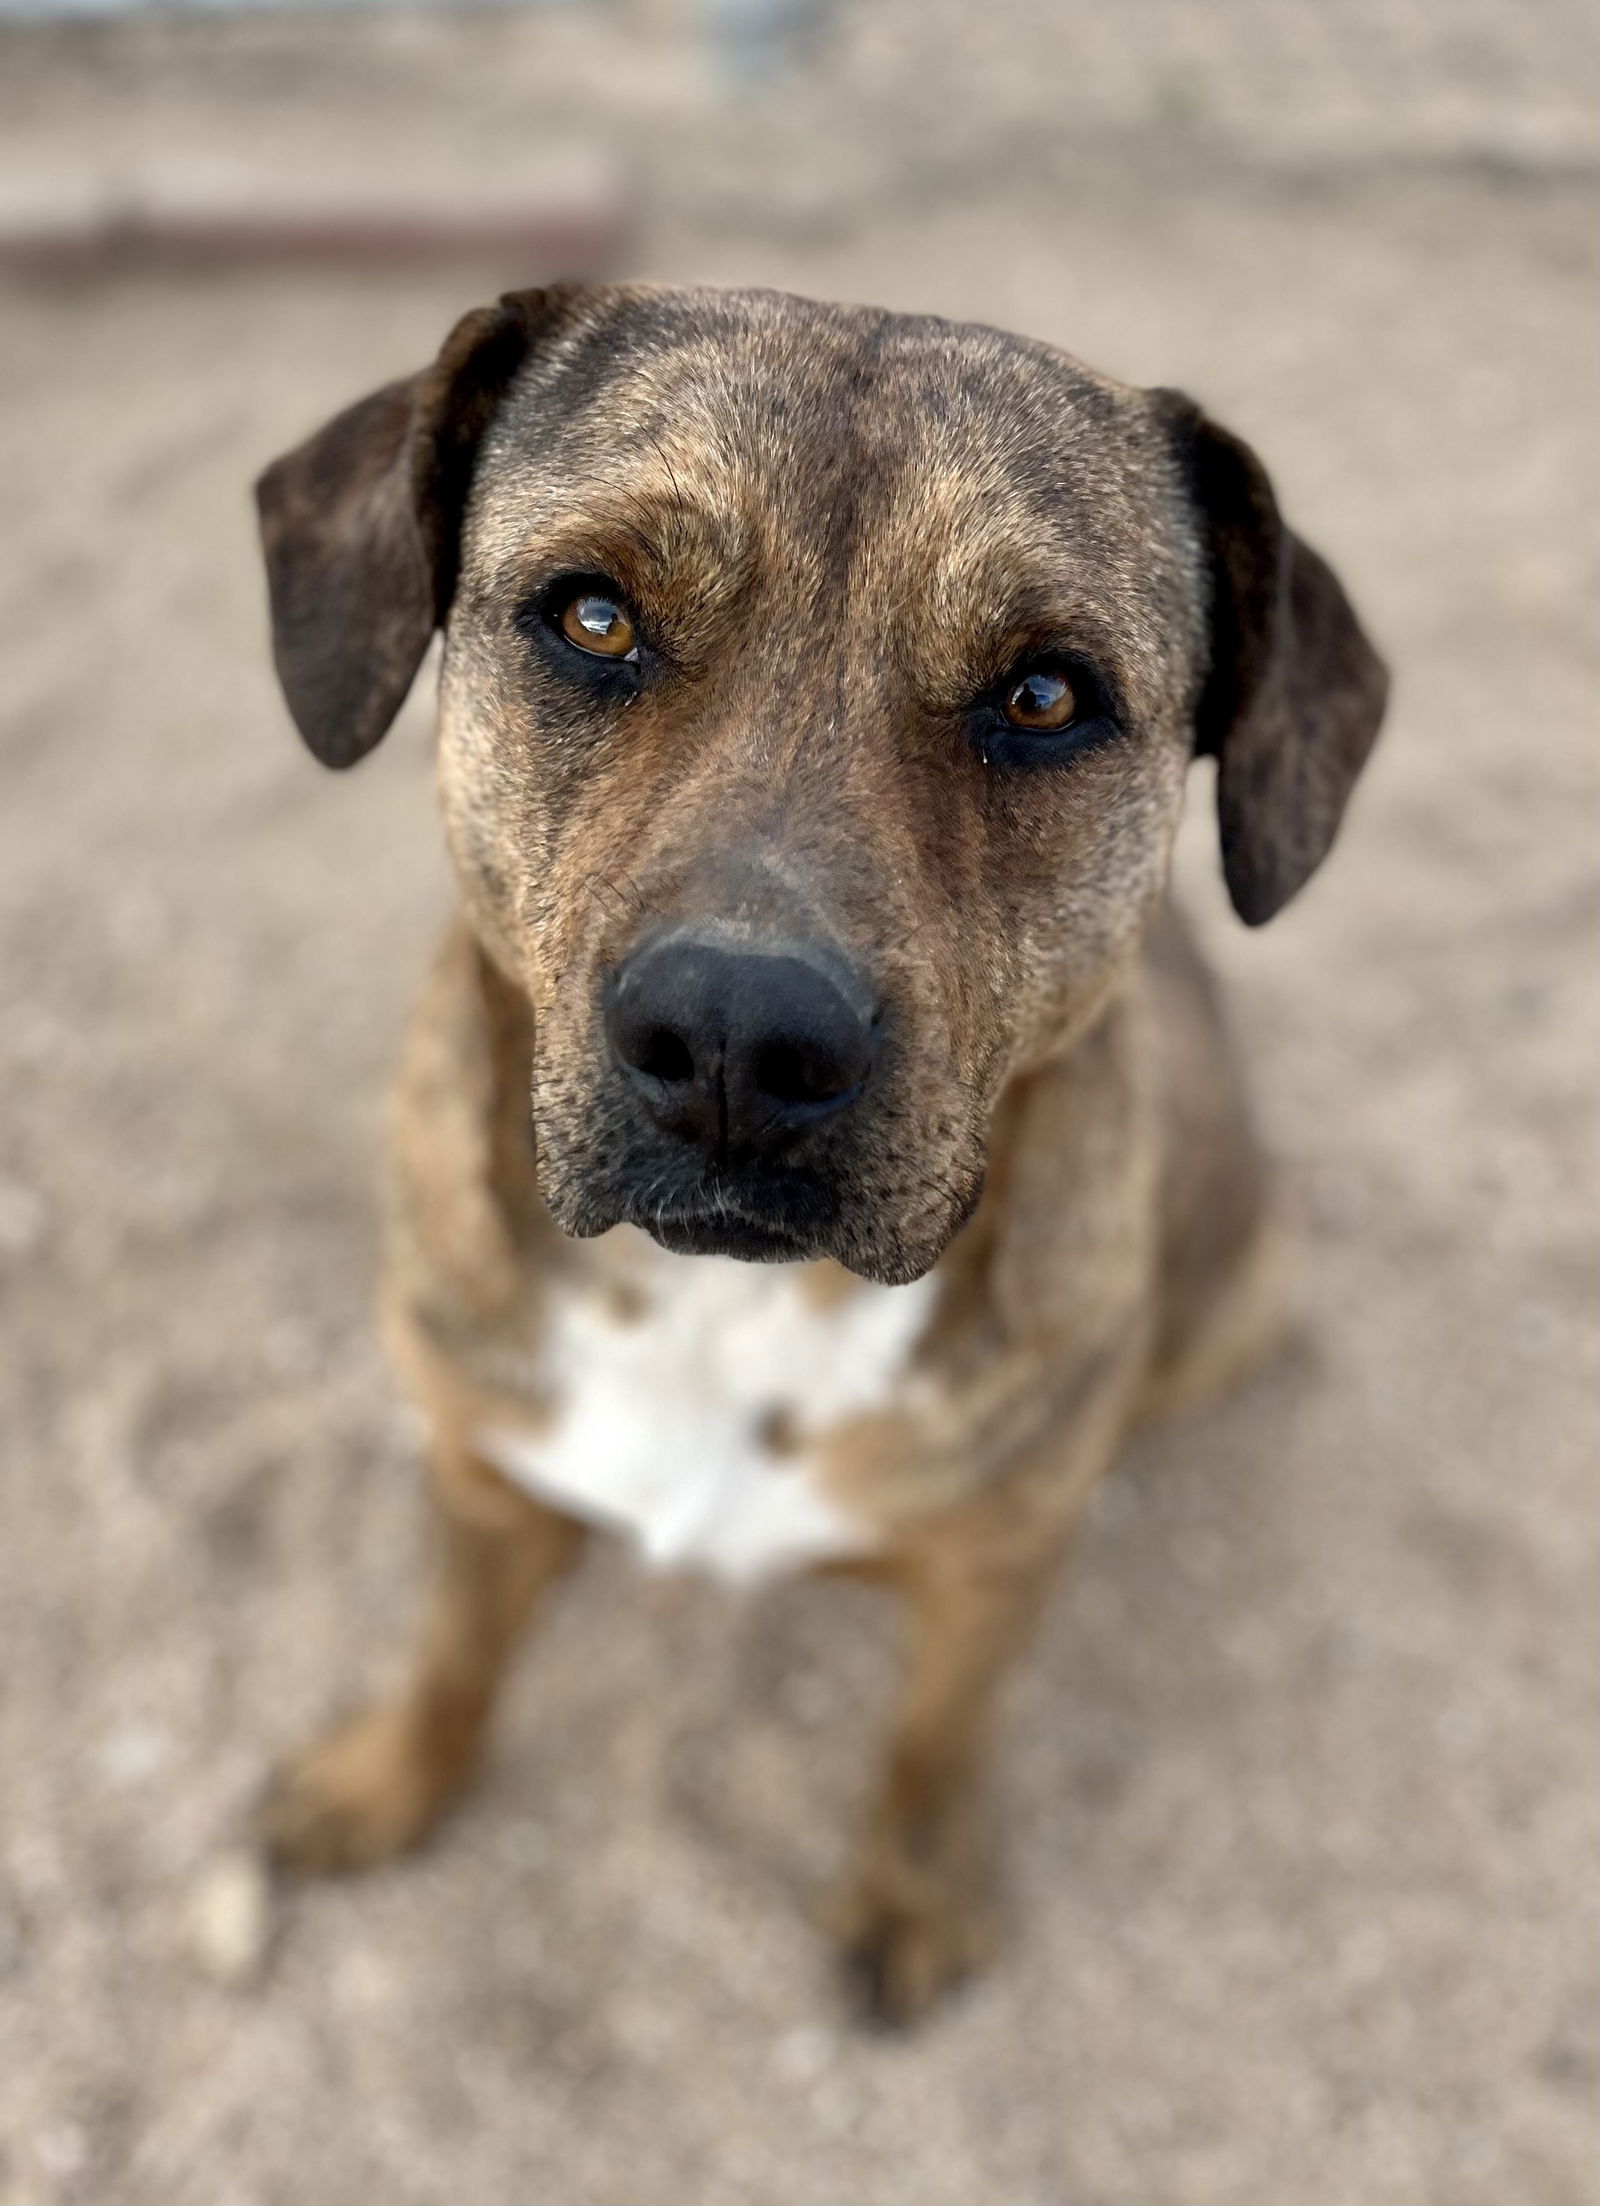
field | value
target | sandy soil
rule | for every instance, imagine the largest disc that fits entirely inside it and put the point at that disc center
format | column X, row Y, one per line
column 1298, row 1791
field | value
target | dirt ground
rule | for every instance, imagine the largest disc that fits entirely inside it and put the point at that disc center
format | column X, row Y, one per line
column 1298, row 1790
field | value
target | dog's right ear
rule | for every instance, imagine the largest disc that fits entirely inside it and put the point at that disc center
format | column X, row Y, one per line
column 360, row 527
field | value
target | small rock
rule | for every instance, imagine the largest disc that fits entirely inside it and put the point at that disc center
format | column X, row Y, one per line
column 63, row 2149
column 802, row 2055
column 230, row 1919
column 131, row 1753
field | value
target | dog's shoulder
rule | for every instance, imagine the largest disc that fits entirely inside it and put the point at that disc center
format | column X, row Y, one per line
column 467, row 1237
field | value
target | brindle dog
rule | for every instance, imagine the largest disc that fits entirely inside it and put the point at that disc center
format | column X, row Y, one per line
column 818, row 692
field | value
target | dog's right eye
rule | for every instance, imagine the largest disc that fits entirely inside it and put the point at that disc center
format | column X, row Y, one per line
column 1043, row 702
column 594, row 621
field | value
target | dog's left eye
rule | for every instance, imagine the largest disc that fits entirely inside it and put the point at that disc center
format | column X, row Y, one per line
column 598, row 624
column 1044, row 714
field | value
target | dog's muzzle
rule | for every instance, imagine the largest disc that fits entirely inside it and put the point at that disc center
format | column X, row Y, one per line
column 743, row 1057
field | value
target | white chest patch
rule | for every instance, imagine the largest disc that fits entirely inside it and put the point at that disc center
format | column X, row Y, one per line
column 663, row 1420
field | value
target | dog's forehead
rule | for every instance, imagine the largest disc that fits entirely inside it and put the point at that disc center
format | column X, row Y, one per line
column 761, row 392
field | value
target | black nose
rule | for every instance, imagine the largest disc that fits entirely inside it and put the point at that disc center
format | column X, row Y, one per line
column 740, row 1050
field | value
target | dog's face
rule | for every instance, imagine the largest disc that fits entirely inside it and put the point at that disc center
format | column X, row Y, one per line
column 818, row 691
column 823, row 556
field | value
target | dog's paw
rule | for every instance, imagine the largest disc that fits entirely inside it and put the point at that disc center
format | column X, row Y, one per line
column 904, row 1948
column 363, row 1794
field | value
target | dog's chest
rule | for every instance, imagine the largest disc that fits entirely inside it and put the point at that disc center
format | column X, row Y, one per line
column 683, row 1409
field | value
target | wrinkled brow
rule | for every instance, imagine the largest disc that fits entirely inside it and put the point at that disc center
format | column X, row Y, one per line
column 973, row 575
column 680, row 555
column 647, row 535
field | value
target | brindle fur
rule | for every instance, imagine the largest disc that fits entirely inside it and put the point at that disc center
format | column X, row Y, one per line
column 841, row 527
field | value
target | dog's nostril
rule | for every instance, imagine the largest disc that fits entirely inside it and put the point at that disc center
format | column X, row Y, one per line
column 791, row 1073
column 663, row 1055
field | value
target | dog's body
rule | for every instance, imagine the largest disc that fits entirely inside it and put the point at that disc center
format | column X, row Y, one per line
column 801, row 957
column 716, row 1411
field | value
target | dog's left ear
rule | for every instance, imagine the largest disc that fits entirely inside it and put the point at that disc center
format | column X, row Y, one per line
column 1294, row 694
column 360, row 527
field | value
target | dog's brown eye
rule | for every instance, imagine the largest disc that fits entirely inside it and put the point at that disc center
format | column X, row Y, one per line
column 597, row 624
column 1042, row 700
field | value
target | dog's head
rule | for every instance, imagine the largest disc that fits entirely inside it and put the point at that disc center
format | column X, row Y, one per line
column 817, row 694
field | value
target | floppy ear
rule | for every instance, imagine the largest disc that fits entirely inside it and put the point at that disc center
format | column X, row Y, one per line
column 360, row 528
column 1294, row 693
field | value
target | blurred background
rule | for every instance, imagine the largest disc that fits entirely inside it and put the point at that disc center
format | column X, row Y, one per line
column 1298, row 1792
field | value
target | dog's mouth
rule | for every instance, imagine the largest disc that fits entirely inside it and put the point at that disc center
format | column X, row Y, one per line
column 725, row 1233
column 792, row 1217
column 763, row 1217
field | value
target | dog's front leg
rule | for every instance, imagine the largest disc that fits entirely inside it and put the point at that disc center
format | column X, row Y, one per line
column 375, row 1785
column 913, row 1916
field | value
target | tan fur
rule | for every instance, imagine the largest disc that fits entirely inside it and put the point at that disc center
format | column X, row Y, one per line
column 842, row 526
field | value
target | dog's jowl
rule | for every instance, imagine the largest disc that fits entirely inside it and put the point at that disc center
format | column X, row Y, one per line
column 817, row 1144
